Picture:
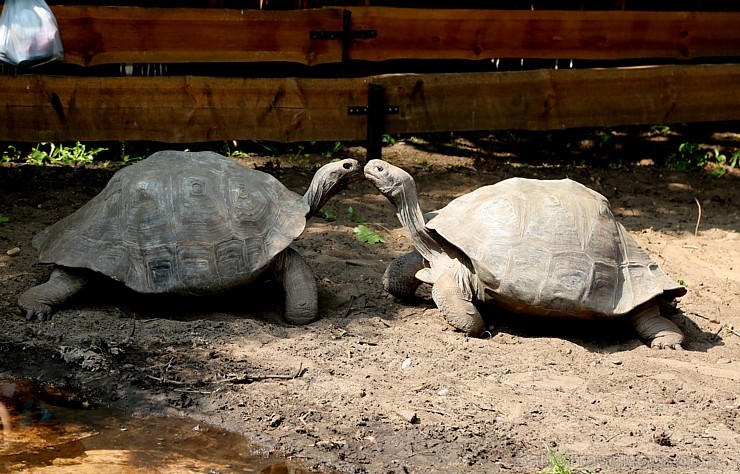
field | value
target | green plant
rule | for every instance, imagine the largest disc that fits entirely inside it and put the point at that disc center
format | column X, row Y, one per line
column 364, row 233
column 388, row 140
column 690, row 157
column 604, row 137
column 10, row 153
column 354, row 216
column 4, row 219
column 126, row 158
column 333, row 150
column 559, row 464
column 367, row 235
column 48, row 152
column 240, row 154
column 328, row 214
column 734, row 159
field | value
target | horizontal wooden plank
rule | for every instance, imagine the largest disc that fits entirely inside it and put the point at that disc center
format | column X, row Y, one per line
column 596, row 35
column 189, row 109
column 106, row 35
column 556, row 99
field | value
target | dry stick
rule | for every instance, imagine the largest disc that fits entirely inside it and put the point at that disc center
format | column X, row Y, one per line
column 199, row 392
column 133, row 328
column 431, row 410
column 349, row 306
column 698, row 219
column 724, row 326
column 164, row 380
column 255, row 378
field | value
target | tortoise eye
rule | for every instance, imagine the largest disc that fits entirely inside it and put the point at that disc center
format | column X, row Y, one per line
column 378, row 168
column 347, row 166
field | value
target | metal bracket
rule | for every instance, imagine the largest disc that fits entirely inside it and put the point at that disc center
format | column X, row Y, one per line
column 346, row 35
column 362, row 110
column 337, row 35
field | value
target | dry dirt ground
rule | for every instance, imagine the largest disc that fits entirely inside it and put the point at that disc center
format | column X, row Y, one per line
column 382, row 386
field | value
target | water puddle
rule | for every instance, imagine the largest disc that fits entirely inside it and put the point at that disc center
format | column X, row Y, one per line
column 44, row 430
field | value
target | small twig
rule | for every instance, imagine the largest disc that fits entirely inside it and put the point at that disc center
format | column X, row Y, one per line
column 164, row 380
column 349, row 306
column 430, row 410
column 384, row 228
column 200, row 392
column 698, row 219
column 246, row 378
column 723, row 325
column 133, row 327
column 699, row 315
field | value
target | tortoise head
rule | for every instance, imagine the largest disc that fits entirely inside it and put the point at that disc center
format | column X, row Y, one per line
column 391, row 181
column 329, row 180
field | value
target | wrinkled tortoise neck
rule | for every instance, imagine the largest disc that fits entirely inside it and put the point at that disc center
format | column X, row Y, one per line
column 412, row 219
column 321, row 189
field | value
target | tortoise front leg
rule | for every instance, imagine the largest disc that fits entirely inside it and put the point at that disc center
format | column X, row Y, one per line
column 660, row 332
column 454, row 297
column 38, row 302
column 399, row 278
column 299, row 283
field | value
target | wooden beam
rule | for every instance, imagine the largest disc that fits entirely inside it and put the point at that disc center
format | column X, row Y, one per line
column 550, row 99
column 105, row 35
column 596, row 35
column 189, row 109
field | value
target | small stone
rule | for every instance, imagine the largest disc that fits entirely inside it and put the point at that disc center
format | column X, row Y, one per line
column 616, row 362
column 276, row 420
column 443, row 392
column 14, row 252
column 409, row 416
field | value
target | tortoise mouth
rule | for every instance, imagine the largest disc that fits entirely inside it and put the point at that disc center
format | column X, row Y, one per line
column 373, row 171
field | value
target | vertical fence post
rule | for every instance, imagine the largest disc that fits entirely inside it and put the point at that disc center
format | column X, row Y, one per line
column 375, row 120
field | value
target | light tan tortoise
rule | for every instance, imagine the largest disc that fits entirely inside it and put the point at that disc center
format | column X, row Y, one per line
column 187, row 223
column 535, row 247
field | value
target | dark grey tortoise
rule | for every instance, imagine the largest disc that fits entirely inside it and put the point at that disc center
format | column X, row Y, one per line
column 535, row 247
column 187, row 223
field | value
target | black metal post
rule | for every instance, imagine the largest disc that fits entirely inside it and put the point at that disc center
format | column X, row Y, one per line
column 375, row 120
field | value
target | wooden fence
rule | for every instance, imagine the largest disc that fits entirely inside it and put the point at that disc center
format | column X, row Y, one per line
column 687, row 73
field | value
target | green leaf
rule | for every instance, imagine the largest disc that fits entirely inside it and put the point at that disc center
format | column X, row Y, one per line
column 367, row 235
column 4, row 219
column 329, row 215
column 355, row 217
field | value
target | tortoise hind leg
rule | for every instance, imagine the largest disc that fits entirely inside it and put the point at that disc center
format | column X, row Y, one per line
column 299, row 283
column 659, row 331
column 400, row 279
column 38, row 302
column 454, row 297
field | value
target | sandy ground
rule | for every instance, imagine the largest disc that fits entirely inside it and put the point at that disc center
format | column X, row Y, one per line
column 379, row 385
